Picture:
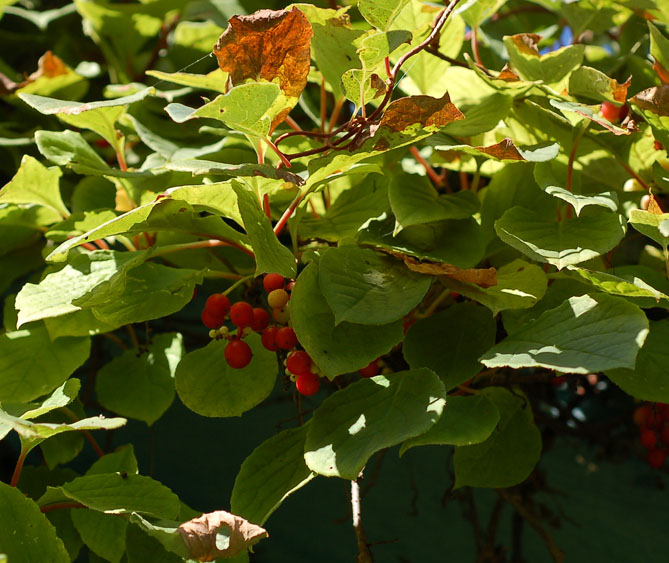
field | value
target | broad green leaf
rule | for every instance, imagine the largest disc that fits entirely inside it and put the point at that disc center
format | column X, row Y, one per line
column 152, row 291
column 116, row 493
column 648, row 380
column 465, row 421
column 207, row 385
column 659, row 49
column 214, row 80
column 365, row 287
column 381, row 13
column 450, row 342
column 585, row 334
column 655, row 227
column 68, row 148
column 415, row 201
column 591, row 83
column 366, row 417
column 34, row 183
column 61, row 397
column 78, row 224
column 79, row 323
column 104, row 534
column 561, row 243
column 334, row 44
column 270, row 255
column 57, row 294
column 340, row 348
column 123, row 459
column 608, row 200
column 31, row 365
column 455, row 241
column 509, row 455
column 590, row 113
column 248, row 108
column 475, row 12
column 550, row 68
column 166, row 532
column 505, row 150
column 272, row 472
column 623, row 284
column 141, row 387
column 140, row 547
column 360, row 89
column 18, row 263
column 377, row 46
column 519, row 286
column 26, row 535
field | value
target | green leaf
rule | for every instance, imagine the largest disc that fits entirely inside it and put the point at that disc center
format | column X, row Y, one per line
column 27, row 536
column 381, row 13
column 58, row 293
column 648, row 380
column 365, row 287
column 273, row 471
column 589, row 113
column 123, row 459
column 465, row 421
column 166, row 532
column 141, row 387
column 549, row 68
column 270, row 255
column 592, row 83
column 207, row 385
column 340, row 348
column 585, row 334
column 116, row 493
column 475, row 12
column 519, row 286
column 561, row 243
column 415, row 201
column 142, row 548
column 659, row 48
column 248, row 108
column 366, row 417
column 36, row 184
column 152, row 291
column 214, row 80
column 651, row 225
column 623, row 284
column 61, row 397
column 104, row 534
column 450, row 342
column 31, row 365
column 509, row 455
column 505, row 150
column 455, row 241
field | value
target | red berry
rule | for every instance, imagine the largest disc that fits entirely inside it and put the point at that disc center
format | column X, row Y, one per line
column 370, row 370
column 308, row 384
column 286, row 338
column 218, row 304
column 643, row 416
column 238, row 354
column 290, row 285
column 613, row 112
column 299, row 362
column 260, row 319
column 273, row 281
column 241, row 314
column 210, row 320
column 268, row 338
column 648, row 438
column 656, row 458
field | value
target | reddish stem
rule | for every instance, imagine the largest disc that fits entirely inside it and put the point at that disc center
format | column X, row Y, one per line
column 432, row 174
column 335, row 113
column 92, row 442
column 324, row 107
column 292, row 123
column 475, row 46
column 18, row 468
column 281, row 223
column 89, row 246
column 266, row 208
column 59, row 505
column 102, row 244
column 281, row 156
column 389, row 71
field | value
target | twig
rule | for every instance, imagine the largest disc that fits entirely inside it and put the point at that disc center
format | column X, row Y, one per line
column 432, row 174
column 60, row 505
column 133, row 335
column 364, row 554
column 18, row 468
column 514, row 500
column 475, row 46
column 281, row 223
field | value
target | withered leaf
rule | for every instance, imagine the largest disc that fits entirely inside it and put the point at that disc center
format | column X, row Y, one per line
column 655, row 99
column 507, row 74
column 427, row 112
column 483, row 277
column 201, row 534
column 662, row 72
column 267, row 45
column 49, row 65
column 527, row 43
column 654, row 206
column 504, row 150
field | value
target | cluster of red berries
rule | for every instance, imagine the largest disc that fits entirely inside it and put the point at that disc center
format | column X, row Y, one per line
column 653, row 422
column 276, row 337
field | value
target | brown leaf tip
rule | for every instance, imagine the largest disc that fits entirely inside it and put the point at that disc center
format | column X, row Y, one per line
column 204, row 539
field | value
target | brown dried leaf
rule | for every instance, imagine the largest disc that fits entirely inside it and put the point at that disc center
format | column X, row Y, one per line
column 199, row 535
column 507, row 74
column 662, row 72
column 619, row 91
column 504, row 150
column 527, row 43
column 655, row 99
column 654, row 206
column 267, row 45
column 49, row 65
column 426, row 111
